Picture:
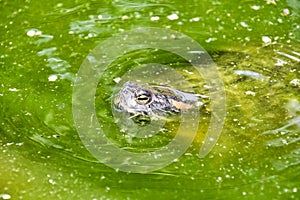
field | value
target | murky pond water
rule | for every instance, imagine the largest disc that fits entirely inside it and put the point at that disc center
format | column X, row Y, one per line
column 255, row 46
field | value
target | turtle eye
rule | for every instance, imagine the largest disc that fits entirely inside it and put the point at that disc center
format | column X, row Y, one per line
column 143, row 98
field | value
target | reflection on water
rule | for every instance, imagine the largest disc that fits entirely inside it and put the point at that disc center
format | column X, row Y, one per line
column 287, row 136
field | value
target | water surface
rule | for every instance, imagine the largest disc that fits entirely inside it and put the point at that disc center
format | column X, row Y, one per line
column 255, row 46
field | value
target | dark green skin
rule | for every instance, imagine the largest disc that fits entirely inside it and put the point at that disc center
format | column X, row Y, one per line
column 152, row 102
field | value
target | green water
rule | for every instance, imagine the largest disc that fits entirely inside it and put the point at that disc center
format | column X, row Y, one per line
column 43, row 45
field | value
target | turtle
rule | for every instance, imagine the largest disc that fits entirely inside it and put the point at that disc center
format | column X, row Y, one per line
column 145, row 102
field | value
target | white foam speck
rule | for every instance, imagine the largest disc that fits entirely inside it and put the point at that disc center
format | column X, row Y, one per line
column 30, row 33
column 286, row 12
column 210, row 40
column 244, row 24
column 33, row 32
column 125, row 17
column 219, row 179
column 195, row 19
column 51, row 181
column 13, row 89
column 255, row 7
column 266, row 39
column 173, row 17
column 154, row 18
column 52, row 78
column 117, row 80
column 250, row 93
column 5, row 196
column 295, row 82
